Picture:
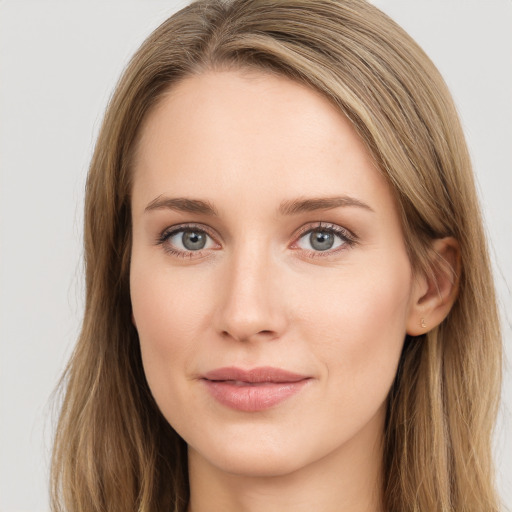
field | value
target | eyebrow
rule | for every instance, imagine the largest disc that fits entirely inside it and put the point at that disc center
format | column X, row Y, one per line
column 296, row 206
column 290, row 207
column 182, row 204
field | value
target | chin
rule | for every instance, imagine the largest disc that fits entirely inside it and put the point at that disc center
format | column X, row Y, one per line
column 257, row 462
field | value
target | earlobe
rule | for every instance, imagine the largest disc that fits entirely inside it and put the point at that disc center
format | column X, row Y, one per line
column 435, row 292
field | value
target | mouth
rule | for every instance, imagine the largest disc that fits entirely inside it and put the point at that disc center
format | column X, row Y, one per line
column 253, row 390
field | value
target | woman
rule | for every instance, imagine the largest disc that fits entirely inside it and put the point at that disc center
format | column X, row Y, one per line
column 289, row 302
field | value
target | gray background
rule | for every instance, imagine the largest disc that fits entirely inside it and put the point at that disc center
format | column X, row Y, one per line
column 59, row 62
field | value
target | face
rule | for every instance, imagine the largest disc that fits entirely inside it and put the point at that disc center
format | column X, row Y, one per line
column 270, row 282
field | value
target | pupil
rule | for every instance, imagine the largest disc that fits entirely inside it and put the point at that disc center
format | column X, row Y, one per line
column 321, row 240
column 193, row 241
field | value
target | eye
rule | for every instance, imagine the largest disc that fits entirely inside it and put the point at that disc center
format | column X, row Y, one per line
column 325, row 239
column 183, row 241
column 189, row 240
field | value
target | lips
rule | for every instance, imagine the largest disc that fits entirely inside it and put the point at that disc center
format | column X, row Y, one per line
column 253, row 390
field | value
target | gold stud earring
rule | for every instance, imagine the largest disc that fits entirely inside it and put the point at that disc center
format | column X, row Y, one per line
column 423, row 324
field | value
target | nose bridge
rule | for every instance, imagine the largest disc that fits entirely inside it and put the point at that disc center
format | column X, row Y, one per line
column 250, row 306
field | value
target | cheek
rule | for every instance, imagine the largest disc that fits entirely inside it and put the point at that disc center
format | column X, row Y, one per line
column 168, row 313
column 357, row 325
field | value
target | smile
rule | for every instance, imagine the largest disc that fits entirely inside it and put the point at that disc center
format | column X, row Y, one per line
column 253, row 390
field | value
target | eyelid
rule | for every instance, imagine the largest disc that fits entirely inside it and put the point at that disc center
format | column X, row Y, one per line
column 170, row 231
column 327, row 226
column 348, row 237
column 186, row 226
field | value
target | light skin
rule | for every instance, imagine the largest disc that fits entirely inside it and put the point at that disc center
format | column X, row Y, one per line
column 303, row 268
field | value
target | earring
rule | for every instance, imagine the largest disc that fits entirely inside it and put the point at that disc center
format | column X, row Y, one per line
column 422, row 323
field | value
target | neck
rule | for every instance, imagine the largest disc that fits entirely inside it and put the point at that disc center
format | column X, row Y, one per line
column 348, row 479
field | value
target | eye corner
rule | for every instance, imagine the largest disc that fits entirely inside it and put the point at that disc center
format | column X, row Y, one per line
column 345, row 239
column 165, row 239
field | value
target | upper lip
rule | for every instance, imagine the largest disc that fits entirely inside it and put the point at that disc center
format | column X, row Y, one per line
column 253, row 375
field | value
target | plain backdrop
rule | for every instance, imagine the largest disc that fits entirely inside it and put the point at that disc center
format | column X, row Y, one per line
column 59, row 62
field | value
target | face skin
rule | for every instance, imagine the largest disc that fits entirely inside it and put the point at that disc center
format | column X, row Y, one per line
column 258, row 293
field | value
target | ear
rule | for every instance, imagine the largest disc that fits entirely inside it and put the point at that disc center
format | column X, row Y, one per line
column 434, row 293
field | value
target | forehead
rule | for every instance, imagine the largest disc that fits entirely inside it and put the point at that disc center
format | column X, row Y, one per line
column 250, row 134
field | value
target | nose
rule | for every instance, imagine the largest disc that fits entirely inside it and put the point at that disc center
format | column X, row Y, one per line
column 251, row 304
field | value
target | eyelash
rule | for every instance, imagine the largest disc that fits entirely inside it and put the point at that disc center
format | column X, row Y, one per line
column 348, row 239
column 170, row 232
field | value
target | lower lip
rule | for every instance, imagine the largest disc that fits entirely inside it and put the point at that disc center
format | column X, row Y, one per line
column 253, row 397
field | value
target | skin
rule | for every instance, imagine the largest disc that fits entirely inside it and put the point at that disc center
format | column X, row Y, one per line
column 259, row 294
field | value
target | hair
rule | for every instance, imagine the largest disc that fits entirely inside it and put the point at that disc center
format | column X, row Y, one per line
column 113, row 450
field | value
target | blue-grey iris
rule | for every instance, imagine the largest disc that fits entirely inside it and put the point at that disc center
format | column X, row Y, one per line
column 193, row 240
column 321, row 240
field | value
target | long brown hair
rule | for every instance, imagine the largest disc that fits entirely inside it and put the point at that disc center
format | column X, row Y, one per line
column 113, row 449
